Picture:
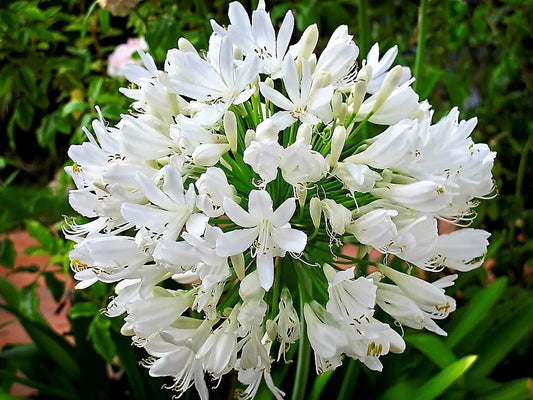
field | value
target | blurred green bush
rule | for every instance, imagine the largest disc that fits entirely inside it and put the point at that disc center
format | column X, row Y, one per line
column 53, row 60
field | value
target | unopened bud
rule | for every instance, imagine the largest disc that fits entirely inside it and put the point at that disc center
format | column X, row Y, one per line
column 208, row 154
column 230, row 129
column 359, row 88
column 301, row 194
column 238, row 265
column 269, row 82
column 308, row 41
column 337, row 144
column 304, row 133
column 315, row 209
column 186, row 46
column 389, row 84
column 248, row 137
column 336, row 104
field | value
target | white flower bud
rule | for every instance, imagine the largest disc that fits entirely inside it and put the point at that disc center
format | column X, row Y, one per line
column 238, row 265
column 337, row 144
column 308, row 42
column 186, row 46
column 315, row 209
column 230, row 129
column 249, row 136
column 359, row 89
column 305, row 131
column 390, row 83
column 209, row 154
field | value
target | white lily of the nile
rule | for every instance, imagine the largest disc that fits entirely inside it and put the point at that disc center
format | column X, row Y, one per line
column 267, row 232
column 244, row 197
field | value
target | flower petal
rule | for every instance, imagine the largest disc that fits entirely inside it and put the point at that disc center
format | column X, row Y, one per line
column 238, row 215
column 260, row 204
column 235, row 242
column 289, row 239
column 284, row 212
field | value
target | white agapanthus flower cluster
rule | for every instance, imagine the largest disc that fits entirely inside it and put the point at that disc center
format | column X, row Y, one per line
column 220, row 205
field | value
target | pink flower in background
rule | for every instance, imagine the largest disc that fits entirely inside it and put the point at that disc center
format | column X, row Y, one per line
column 122, row 56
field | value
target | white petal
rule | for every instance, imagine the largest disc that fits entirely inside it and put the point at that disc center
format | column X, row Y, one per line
column 238, row 215
column 235, row 242
column 275, row 97
column 289, row 239
column 260, row 204
column 265, row 270
column 284, row 212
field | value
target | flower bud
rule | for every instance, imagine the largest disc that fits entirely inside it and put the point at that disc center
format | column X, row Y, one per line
column 359, row 90
column 308, row 42
column 230, row 129
column 186, row 46
column 337, row 144
column 208, row 154
column 389, row 84
column 304, row 134
column 315, row 209
column 238, row 265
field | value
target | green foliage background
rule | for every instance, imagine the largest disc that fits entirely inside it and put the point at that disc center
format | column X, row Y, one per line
column 53, row 59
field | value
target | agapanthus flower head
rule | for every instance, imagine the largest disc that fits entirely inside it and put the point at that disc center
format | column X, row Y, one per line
column 221, row 206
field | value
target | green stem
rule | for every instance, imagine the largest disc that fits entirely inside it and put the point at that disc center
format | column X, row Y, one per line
column 522, row 166
column 350, row 379
column 422, row 17
column 304, row 355
column 363, row 27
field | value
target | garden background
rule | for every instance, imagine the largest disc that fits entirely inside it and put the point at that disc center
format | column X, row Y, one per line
column 54, row 71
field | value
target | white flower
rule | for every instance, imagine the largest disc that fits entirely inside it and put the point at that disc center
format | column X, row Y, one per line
column 381, row 66
column 258, row 38
column 170, row 208
column 375, row 228
column 268, row 231
column 221, row 83
column 349, row 299
column 307, row 102
column 212, row 188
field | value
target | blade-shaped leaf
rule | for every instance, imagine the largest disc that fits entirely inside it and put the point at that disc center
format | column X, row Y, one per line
column 476, row 311
column 433, row 348
column 444, row 379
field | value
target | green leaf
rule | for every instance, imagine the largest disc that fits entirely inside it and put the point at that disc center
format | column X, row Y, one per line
column 29, row 303
column 101, row 338
column 56, row 287
column 444, row 379
column 433, row 348
column 476, row 311
column 24, row 113
column 105, row 18
column 41, row 233
column 514, row 390
column 85, row 309
column 7, row 253
column 319, row 384
column 498, row 343
column 27, row 82
column 9, row 293
column 73, row 106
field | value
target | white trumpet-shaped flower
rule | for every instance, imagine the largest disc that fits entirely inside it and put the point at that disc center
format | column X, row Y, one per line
column 267, row 232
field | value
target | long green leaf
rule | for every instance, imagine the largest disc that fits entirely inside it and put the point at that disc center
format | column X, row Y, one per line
column 57, row 393
column 514, row 390
column 433, row 348
column 319, row 384
column 444, row 379
column 476, row 310
column 498, row 343
column 49, row 342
